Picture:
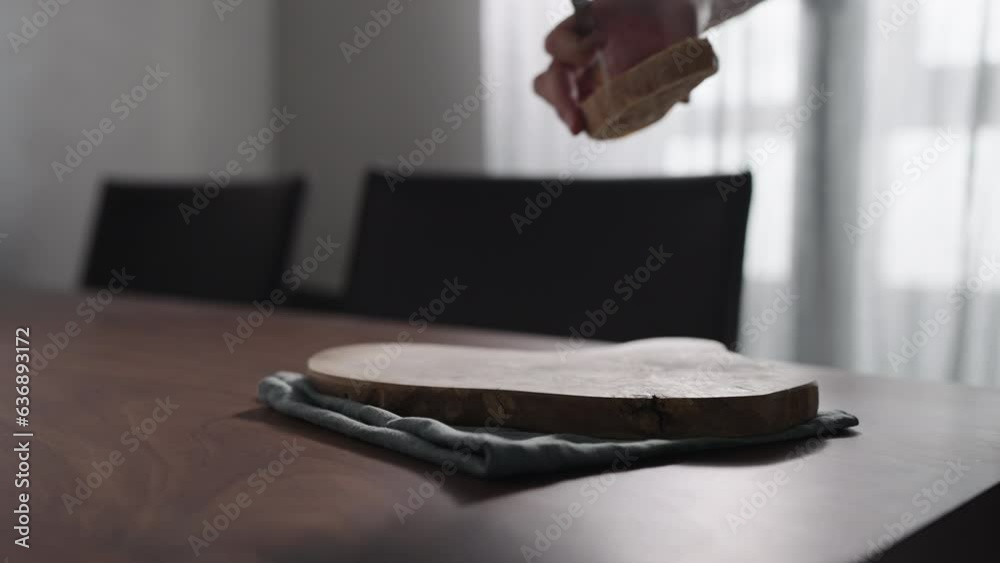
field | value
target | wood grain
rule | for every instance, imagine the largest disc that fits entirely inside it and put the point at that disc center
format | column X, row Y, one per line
column 336, row 501
column 662, row 387
column 645, row 93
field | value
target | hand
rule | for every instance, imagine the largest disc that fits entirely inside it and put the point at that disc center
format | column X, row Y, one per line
column 627, row 32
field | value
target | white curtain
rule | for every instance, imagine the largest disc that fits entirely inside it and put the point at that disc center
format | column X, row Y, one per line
column 869, row 126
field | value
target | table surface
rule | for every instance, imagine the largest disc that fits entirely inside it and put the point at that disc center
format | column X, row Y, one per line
column 338, row 499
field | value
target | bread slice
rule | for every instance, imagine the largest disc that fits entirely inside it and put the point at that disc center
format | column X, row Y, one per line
column 647, row 91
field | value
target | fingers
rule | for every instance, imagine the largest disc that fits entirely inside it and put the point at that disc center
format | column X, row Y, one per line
column 567, row 47
column 570, row 53
column 555, row 86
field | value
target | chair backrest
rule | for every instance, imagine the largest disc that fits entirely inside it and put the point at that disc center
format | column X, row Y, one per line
column 586, row 259
column 230, row 247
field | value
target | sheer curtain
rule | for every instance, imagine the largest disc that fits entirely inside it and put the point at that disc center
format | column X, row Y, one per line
column 869, row 127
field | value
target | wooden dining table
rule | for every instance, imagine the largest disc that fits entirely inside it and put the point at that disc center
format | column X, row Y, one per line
column 148, row 444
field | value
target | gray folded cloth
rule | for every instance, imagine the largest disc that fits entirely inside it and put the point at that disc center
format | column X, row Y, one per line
column 503, row 452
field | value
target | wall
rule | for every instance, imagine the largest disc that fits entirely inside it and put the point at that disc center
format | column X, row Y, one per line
column 224, row 78
column 423, row 60
column 67, row 77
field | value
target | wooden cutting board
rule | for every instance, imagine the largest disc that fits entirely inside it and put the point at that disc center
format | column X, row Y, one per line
column 662, row 387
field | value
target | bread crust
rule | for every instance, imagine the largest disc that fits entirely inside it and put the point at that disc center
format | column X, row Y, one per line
column 646, row 92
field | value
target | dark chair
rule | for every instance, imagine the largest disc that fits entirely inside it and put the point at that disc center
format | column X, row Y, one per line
column 231, row 247
column 575, row 262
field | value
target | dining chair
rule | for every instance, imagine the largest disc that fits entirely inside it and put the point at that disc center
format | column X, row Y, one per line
column 179, row 238
column 615, row 259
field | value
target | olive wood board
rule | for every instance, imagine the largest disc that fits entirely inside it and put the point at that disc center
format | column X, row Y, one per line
column 645, row 93
column 660, row 387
